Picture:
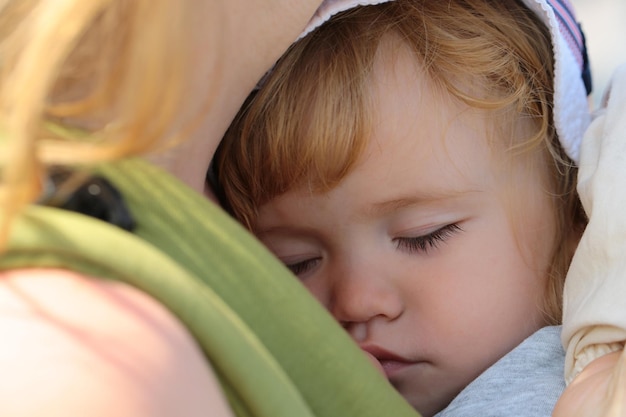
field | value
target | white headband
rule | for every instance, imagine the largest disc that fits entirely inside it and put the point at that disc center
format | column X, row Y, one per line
column 571, row 109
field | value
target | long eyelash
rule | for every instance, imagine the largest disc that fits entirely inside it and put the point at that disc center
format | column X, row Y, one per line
column 428, row 242
column 302, row 267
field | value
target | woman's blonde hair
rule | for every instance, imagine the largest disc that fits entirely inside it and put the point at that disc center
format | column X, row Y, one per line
column 83, row 81
column 307, row 126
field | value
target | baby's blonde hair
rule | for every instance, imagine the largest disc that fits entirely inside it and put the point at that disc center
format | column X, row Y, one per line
column 83, row 81
column 308, row 125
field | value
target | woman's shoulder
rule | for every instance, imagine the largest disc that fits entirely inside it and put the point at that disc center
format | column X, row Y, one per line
column 77, row 345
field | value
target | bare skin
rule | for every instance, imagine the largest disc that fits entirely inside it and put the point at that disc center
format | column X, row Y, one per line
column 598, row 391
column 244, row 58
column 116, row 350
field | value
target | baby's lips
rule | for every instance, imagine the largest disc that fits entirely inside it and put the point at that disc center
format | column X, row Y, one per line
column 376, row 363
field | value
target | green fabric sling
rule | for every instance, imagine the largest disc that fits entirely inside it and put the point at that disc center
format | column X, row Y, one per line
column 275, row 349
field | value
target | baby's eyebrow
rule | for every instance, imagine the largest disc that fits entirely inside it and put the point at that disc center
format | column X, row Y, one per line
column 384, row 207
column 285, row 230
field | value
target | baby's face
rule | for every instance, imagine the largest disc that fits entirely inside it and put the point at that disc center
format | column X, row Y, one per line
column 415, row 252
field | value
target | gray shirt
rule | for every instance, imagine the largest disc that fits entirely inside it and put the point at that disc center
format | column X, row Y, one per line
column 525, row 383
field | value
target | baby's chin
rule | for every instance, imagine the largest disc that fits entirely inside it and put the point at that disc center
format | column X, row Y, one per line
column 429, row 402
